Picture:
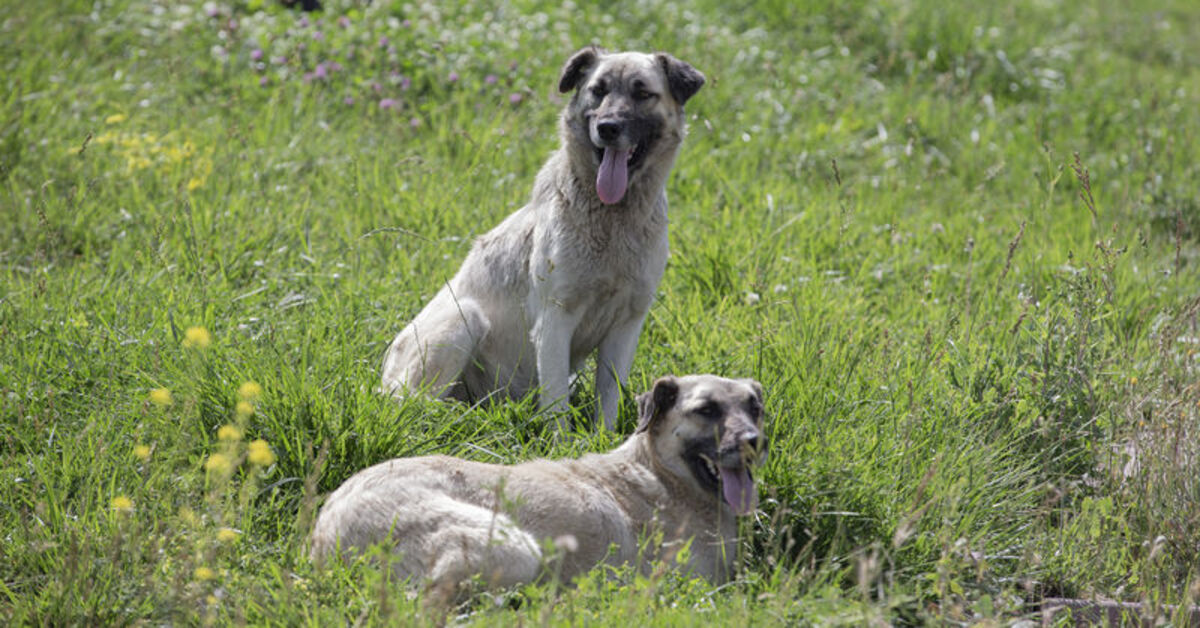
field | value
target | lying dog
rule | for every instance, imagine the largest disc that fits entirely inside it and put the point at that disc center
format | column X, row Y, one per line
column 685, row 473
column 575, row 270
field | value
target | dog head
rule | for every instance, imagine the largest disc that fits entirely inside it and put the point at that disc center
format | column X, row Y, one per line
column 708, row 431
column 627, row 112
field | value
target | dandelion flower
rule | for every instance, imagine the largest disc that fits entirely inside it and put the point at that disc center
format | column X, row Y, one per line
column 217, row 463
column 115, row 118
column 204, row 573
column 249, row 391
column 160, row 397
column 227, row 535
column 229, row 433
column 260, row 453
column 244, row 408
column 142, row 452
column 1133, row 381
column 121, row 503
column 196, row 338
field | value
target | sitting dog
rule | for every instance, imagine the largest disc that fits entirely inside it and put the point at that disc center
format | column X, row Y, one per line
column 685, row 474
column 575, row 270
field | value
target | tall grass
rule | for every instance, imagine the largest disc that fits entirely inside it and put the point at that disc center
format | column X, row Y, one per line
column 956, row 245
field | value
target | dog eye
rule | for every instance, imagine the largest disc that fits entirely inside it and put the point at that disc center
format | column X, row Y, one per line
column 642, row 94
column 709, row 410
column 599, row 90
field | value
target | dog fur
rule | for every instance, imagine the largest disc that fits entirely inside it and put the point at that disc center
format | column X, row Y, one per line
column 684, row 474
column 573, row 271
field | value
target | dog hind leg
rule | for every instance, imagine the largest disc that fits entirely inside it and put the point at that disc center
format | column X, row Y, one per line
column 432, row 351
column 484, row 543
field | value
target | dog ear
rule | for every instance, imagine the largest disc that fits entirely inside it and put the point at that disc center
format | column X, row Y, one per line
column 576, row 67
column 683, row 79
column 758, row 389
column 654, row 402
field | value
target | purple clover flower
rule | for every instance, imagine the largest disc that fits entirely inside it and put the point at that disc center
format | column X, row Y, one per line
column 344, row 22
column 415, row 122
column 264, row 81
column 389, row 103
column 318, row 36
column 349, row 100
column 452, row 77
column 322, row 71
column 515, row 98
column 256, row 54
column 490, row 79
column 383, row 41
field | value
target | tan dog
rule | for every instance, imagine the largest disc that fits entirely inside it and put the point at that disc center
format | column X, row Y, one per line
column 685, row 473
column 575, row 270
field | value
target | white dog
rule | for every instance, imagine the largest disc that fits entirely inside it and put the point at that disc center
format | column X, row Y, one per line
column 685, row 474
column 575, row 270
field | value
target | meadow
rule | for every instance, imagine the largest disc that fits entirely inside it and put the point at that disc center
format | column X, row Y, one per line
column 957, row 245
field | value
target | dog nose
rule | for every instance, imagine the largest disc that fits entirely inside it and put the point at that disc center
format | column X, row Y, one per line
column 752, row 441
column 608, row 131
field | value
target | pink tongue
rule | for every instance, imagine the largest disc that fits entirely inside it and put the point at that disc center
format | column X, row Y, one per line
column 613, row 176
column 739, row 490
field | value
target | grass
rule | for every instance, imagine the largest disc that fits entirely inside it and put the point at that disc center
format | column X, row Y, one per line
column 957, row 245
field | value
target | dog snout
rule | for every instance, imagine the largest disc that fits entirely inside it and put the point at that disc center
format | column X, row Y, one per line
column 752, row 444
column 608, row 130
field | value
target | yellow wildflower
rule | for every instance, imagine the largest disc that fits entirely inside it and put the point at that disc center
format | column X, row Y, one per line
column 250, row 391
column 229, row 432
column 204, row 573
column 194, row 183
column 244, row 408
column 196, row 338
column 142, row 452
column 227, row 535
column 188, row 515
column 115, row 118
column 121, row 503
column 260, row 453
column 1133, row 381
column 218, row 463
column 160, row 397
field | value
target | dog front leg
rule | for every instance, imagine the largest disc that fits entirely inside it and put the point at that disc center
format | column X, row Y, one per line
column 613, row 361
column 552, row 342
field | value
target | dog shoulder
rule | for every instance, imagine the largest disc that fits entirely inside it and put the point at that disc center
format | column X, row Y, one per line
column 500, row 257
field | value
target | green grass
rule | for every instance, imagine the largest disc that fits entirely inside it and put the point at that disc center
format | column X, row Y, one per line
column 957, row 245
